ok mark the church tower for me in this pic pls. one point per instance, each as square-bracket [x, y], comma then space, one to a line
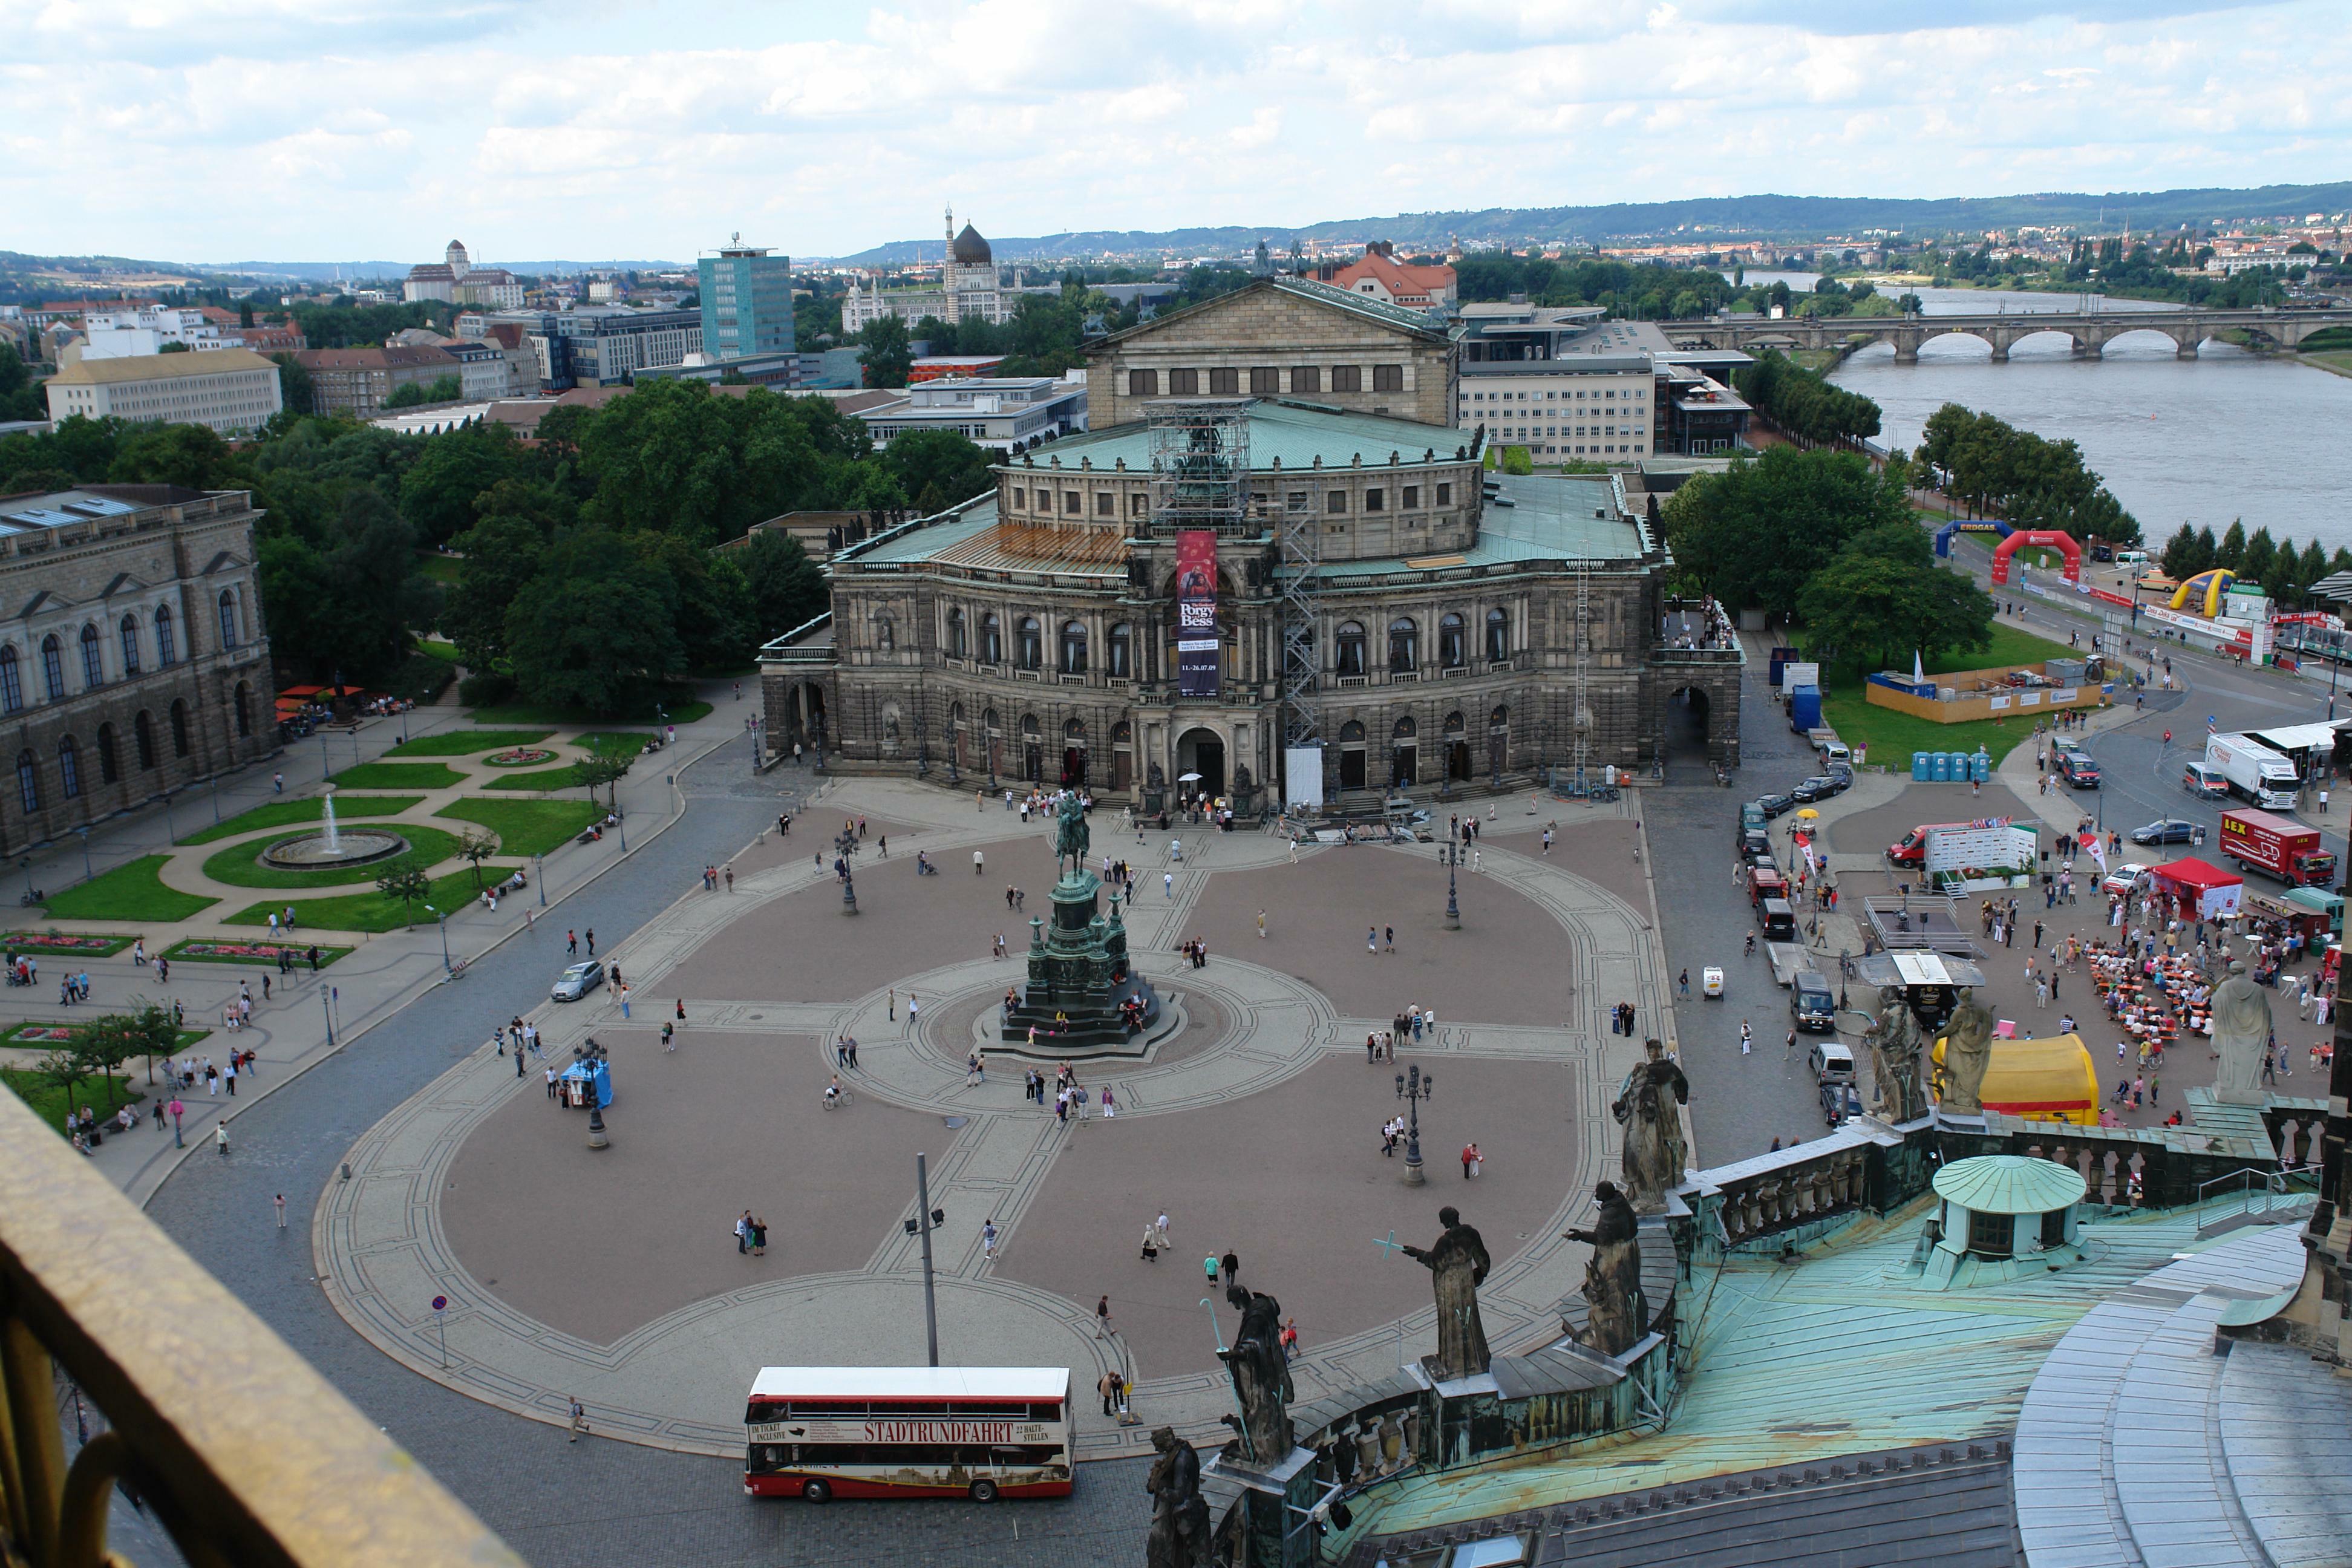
[948, 268]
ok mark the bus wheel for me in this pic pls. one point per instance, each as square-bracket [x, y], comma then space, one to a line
[983, 1491]
[816, 1491]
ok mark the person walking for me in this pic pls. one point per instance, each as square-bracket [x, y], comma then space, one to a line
[280, 1202]
[571, 943]
[744, 1233]
[988, 1240]
[1103, 1329]
[578, 1417]
[1372, 941]
[592, 942]
[1161, 1227]
[1747, 1038]
[1150, 1244]
[1261, 925]
[220, 1136]
[759, 1239]
[1209, 1266]
[1168, 883]
[1108, 1386]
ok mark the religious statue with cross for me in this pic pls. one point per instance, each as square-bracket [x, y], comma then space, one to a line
[1458, 1265]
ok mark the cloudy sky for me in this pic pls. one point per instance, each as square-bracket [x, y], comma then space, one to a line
[326, 130]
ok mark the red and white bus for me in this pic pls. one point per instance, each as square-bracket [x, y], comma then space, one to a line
[982, 1432]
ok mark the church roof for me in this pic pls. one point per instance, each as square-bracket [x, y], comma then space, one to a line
[971, 249]
[2009, 1184]
[1419, 322]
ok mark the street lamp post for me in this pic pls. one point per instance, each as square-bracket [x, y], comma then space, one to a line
[1412, 1087]
[444, 918]
[539, 875]
[927, 1219]
[87, 873]
[1452, 855]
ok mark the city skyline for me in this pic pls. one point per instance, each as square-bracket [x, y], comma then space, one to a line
[532, 131]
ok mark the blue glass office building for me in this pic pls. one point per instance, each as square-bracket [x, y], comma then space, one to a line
[747, 302]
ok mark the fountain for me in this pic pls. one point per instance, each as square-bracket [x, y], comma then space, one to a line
[334, 848]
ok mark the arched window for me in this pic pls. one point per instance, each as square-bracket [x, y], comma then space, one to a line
[243, 710]
[1499, 635]
[129, 646]
[1499, 719]
[69, 768]
[989, 721]
[955, 635]
[29, 782]
[1351, 733]
[1074, 647]
[53, 666]
[142, 735]
[1406, 728]
[1033, 644]
[167, 651]
[228, 618]
[93, 667]
[1122, 652]
[1029, 729]
[109, 771]
[1073, 730]
[1351, 647]
[179, 729]
[1451, 650]
[1405, 645]
[1454, 724]
[992, 639]
[1122, 734]
[11, 681]
[885, 636]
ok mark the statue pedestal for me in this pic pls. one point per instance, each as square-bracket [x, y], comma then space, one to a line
[1079, 975]
[1275, 1503]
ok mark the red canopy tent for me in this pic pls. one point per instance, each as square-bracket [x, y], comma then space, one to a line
[2204, 888]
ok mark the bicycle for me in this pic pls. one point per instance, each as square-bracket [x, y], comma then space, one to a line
[840, 1099]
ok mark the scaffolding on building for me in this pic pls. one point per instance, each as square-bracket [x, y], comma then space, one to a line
[1199, 463]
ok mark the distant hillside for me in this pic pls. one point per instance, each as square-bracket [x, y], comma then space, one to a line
[13, 261]
[1729, 218]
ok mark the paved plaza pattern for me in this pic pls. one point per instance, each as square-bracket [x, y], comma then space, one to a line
[612, 1274]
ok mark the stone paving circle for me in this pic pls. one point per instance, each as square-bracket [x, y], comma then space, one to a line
[612, 1273]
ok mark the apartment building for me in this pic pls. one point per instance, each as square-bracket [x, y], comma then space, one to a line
[234, 391]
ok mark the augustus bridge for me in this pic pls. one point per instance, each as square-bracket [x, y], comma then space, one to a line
[2091, 330]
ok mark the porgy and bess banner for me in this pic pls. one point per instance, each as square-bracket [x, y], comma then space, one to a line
[1196, 613]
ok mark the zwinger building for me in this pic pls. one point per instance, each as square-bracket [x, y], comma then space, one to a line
[1113, 612]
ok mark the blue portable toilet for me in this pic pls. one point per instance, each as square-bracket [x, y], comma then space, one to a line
[1941, 767]
[1980, 765]
[1922, 770]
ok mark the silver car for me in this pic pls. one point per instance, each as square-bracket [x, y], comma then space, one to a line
[578, 981]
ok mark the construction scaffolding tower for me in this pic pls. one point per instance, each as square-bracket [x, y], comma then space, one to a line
[1299, 581]
[1199, 463]
[1581, 721]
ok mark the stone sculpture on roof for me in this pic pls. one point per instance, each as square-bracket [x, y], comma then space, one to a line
[1261, 1374]
[1968, 1052]
[1893, 1041]
[1619, 1313]
[2241, 1033]
[1656, 1152]
[1458, 1264]
[1180, 1515]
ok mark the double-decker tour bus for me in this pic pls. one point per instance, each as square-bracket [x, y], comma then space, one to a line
[982, 1432]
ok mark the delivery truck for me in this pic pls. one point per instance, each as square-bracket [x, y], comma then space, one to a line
[2287, 849]
[1805, 708]
[2255, 772]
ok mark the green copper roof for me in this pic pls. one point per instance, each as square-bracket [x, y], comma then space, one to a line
[1296, 434]
[2009, 1183]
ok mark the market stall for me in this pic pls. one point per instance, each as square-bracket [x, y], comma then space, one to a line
[2200, 890]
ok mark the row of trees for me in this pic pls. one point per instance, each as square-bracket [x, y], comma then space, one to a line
[589, 574]
[1803, 403]
[100, 1049]
[1823, 537]
[1647, 289]
[2285, 572]
[2003, 471]
[1046, 336]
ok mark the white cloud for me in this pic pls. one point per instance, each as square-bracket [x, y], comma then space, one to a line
[322, 129]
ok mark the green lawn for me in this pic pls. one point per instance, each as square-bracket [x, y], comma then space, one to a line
[526, 827]
[45, 943]
[49, 1101]
[613, 742]
[239, 867]
[398, 776]
[439, 567]
[543, 781]
[1893, 736]
[190, 950]
[371, 911]
[280, 812]
[129, 892]
[466, 743]
[440, 652]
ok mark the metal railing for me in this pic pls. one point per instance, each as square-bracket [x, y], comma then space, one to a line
[2249, 1191]
[244, 1454]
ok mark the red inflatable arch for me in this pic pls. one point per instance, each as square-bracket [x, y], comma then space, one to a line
[2043, 537]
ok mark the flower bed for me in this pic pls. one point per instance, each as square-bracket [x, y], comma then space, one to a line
[39, 1035]
[66, 942]
[207, 951]
[519, 757]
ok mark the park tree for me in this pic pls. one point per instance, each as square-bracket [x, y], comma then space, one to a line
[156, 1032]
[406, 885]
[104, 1044]
[456, 468]
[19, 399]
[348, 596]
[192, 456]
[501, 556]
[787, 589]
[1883, 597]
[889, 352]
[604, 771]
[66, 1068]
[1756, 533]
[2261, 554]
[295, 389]
[2185, 554]
[474, 847]
[2234, 546]
[593, 630]
[938, 460]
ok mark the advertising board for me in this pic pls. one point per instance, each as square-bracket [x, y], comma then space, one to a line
[1196, 613]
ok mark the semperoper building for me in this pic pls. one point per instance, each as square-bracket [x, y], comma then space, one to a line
[1463, 626]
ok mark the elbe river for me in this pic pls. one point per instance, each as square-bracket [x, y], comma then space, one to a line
[2226, 436]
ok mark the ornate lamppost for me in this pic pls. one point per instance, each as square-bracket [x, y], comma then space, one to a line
[1450, 853]
[1413, 1087]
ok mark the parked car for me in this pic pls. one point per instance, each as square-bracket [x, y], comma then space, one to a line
[2205, 783]
[1819, 787]
[1775, 804]
[578, 981]
[2171, 830]
[2124, 877]
[1755, 842]
[1830, 1061]
[1751, 817]
[1840, 1100]
[1710, 982]
[2078, 769]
